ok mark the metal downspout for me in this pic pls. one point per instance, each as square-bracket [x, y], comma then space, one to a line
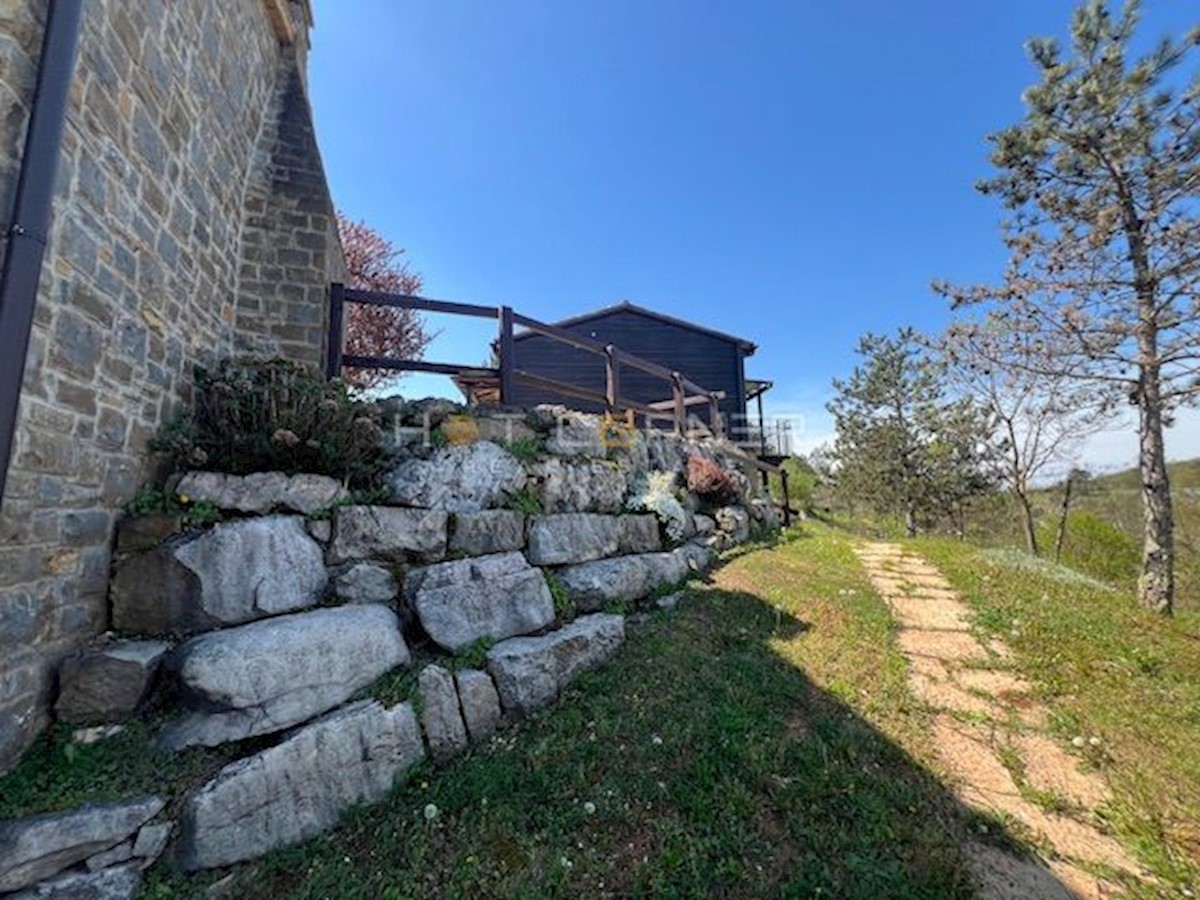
[30, 219]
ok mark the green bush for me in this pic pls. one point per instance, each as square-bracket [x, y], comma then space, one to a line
[1095, 547]
[275, 416]
[803, 482]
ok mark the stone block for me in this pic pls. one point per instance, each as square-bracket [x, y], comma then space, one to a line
[299, 789]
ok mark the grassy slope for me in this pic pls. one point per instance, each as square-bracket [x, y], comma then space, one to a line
[726, 753]
[1108, 670]
[1109, 548]
[759, 741]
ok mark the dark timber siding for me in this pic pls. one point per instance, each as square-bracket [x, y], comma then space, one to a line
[711, 361]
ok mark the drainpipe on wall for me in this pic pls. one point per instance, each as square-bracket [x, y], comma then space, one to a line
[30, 220]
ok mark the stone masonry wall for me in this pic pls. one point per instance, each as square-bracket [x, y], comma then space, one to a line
[188, 165]
[349, 641]
[286, 271]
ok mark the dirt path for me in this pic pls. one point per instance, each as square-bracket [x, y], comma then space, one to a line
[992, 741]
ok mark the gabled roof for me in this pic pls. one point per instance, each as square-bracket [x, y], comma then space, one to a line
[625, 306]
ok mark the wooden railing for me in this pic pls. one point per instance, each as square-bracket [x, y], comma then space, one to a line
[683, 393]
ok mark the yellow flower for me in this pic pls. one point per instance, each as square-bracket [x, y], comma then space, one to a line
[184, 498]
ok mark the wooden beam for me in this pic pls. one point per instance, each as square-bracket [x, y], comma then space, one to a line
[560, 387]
[405, 301]
[508, 356]
[414, 365]
[560, 335]
[693, 400]
[333, 350]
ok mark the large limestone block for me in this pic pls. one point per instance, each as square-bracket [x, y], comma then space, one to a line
[36, 848]
[385, 532]
[488, 531]
[459, 479]
[366, 582]
[666, 568]
[115, 883]
[565, 538]
[234, 572]
[530, 672]
[262, 492]
[592, 585]
[639, 533]
[107, 682]
[301, 787]
[479, 702]
[271, 675]
[590, 485]
[573, 434]
[494, 597]
[440, 714]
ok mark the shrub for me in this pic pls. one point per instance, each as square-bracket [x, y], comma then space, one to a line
[802, 483]
[274, 415]
[1097, 548]
[655, 492]
[710, 482]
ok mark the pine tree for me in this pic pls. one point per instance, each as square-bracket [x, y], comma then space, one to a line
[1101, 179]
[903, 447]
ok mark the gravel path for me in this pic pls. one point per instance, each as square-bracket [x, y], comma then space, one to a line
[991, 741]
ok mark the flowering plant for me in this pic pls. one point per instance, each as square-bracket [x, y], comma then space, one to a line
[655, 492]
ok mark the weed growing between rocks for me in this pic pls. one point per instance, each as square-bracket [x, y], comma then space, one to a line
[154, 501]
[525, 501]
[564, 606]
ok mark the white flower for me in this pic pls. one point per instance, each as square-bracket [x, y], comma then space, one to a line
[656, 740]
[589, 808]
[1094, 741]
[655, 492]
[431, 812]
[1078, 741]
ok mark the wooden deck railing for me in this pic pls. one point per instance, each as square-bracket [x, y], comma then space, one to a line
[682, 392]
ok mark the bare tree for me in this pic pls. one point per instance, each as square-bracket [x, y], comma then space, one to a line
[1039, 423]
[1103, 285]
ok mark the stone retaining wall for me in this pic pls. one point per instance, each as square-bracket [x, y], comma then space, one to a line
[191, 218]
[275, 623]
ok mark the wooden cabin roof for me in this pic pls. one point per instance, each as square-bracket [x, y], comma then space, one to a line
[748, 347]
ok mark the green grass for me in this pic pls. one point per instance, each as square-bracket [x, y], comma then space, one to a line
[525, 501]
[758, 741]
[524, 449]
[1103, 537]
[59, 774]
[1105, 669]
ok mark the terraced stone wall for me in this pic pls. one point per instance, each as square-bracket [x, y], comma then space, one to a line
[498, 566]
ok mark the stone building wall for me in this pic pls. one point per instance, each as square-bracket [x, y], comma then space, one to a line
[191, 220]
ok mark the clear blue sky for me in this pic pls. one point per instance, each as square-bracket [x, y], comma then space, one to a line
[793, 172]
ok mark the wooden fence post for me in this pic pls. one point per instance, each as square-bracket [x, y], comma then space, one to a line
[714, 416]
[333, 349]
[612, 379]
[508, 362]
[787, 501]
[680, 405]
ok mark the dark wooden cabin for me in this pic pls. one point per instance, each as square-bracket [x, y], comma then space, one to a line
[711, 359]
